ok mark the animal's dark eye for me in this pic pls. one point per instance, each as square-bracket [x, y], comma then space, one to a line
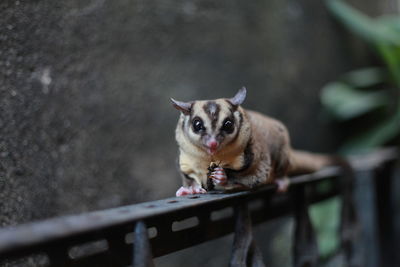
[197, 125]
[228, 126]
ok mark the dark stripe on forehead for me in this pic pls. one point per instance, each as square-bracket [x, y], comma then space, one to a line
[212, 110]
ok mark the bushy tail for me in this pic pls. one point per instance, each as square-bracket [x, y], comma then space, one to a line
[302, 162]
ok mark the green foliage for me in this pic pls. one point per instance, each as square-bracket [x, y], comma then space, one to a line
[325, 218]
[369, 91]
[345, 102]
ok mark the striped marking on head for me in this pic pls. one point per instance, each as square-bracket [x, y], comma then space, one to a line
[212, 109]
[214, 113]
[219, 120]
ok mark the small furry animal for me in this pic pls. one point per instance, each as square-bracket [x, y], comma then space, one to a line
[247, 148]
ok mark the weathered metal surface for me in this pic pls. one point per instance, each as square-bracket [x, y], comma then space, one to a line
[385, 219]
[56, 237]
[305, 249]
[245, 252]
[349, 226]
[141, 248]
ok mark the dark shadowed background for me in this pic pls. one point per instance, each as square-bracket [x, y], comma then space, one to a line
[85, 117]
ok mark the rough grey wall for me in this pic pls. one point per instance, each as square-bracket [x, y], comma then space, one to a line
[85, 118]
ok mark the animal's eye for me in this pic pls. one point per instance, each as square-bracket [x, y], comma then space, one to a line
[228, 126]
[197, 125]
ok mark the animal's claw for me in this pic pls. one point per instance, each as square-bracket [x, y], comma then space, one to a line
[218, 176]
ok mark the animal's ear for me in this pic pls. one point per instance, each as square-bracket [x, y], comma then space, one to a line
[239, 98]
[184, 107]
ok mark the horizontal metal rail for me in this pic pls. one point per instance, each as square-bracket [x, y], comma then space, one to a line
[207, 217]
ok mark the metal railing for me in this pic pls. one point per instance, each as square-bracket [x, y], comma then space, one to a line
[133, 235]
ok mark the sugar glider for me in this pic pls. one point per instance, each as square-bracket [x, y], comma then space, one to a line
[248, 148]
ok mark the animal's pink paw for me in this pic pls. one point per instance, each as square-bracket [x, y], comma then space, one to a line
[183, 191]
[191, 190]
[283, 184]
[218, 176]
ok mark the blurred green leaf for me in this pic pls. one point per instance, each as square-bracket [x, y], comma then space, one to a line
[365, 27]
[390, 21]
[391, 56]
[365, 77]
[377, 136]
[382, 32]
[345, 102]
[325, 218]
[343, 99]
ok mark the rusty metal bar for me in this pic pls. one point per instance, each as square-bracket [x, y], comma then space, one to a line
[349, 226]
[305, 249]
[385, 220]
[245, 252]
[141, 249]
[56, 237]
